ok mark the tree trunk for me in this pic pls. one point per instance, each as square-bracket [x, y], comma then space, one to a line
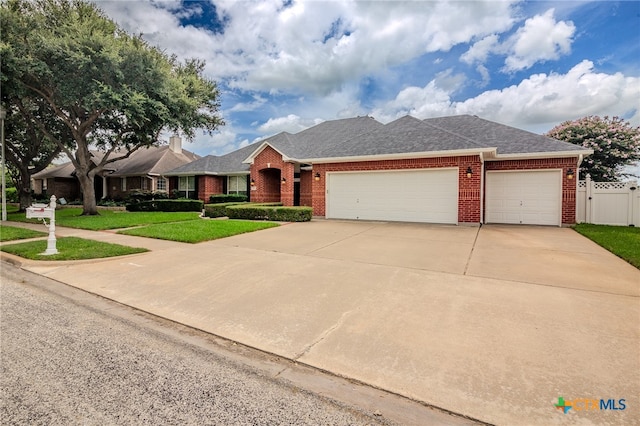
[25, 198]
[23, 186]
[89, 206]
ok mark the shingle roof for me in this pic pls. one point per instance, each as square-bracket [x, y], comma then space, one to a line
[145, 161]
[402, 136]
[60, 171]
[212, 164]
[507, 139]
[152, 161]
[366, 137]
[323, 139]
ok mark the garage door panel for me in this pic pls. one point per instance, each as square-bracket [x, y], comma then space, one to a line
[523, 197]
[416, 196]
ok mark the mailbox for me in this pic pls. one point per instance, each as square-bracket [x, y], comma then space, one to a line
[44, 211]
[40, 211]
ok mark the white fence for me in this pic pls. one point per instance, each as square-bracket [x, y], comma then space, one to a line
[608, 203]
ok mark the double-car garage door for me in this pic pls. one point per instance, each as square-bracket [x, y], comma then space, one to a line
[532, 197]
[400, 195]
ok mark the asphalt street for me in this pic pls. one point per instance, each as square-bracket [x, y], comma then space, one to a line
[65, 361]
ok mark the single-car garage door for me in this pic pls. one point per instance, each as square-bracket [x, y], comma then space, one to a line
[398, 195]
[526, 197]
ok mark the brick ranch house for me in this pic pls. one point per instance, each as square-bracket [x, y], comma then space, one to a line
[457, 170]
[142, 171]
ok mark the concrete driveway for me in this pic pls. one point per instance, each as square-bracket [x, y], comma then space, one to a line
[494, 323]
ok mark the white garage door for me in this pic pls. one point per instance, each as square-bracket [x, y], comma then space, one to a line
[527, 197]
[407, 195]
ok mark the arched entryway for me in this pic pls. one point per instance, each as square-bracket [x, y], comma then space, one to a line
[270, 181]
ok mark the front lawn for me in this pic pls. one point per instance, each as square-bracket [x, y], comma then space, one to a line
[196, 231]
[109, 219]
[623, 241]
[70, 248]
[10, 233]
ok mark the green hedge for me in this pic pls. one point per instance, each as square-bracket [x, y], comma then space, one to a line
[227, 198]
[166, 206]
[265, 212]
[217, 210]
[220, 210]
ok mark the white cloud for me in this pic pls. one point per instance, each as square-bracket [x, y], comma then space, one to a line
[536, 103]
[484, 73]
[480, 50]
[313, 47]
[290, 123]
[540, 39]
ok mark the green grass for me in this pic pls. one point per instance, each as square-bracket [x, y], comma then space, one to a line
[109, 219]
[70, 248]
[10, 233]
[196, 231]
[623, 241]
[11, 208]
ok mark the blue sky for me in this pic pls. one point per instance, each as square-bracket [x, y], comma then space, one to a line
[287, 65]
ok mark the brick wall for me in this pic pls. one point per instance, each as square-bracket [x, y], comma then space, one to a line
[468, 188]
[68, 189]
[209, 185]
[568, 185]
[267, 170]
[306, 185]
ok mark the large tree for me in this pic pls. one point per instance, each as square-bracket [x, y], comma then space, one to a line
[615, 143]
[114, 92]
[27, 148]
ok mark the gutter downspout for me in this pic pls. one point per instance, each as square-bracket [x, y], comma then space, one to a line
[481, 188]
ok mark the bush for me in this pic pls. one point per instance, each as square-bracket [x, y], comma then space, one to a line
[266, 212]
[139, 196]
[166, 206]
[217, 210]
[227, 198]
[111, 203]
[12, 195]
[220, 210]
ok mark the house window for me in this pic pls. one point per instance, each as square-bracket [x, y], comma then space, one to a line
[123, 184]
[237, 185]
[44, 184]
[186, 186]
[144, 183]
[161, 184]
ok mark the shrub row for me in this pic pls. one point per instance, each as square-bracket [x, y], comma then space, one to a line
[227, 198]
[220, 210]
[217, 210]
[166, 206]
[275, 213]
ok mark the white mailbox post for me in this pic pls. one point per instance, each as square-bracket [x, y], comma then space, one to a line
[42, 211]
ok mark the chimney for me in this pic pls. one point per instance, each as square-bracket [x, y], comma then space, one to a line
[175, 144]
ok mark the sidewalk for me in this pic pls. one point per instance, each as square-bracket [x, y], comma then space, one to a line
[492, 349]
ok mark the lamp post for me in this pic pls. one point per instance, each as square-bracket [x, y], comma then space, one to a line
[3, 115]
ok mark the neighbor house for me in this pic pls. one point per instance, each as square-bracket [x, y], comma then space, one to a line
[459, 169]
[142, 171]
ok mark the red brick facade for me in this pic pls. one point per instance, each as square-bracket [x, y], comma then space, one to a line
[268, 171]
[208, 186]
[269, 168]
[568, 185]
[306, 188]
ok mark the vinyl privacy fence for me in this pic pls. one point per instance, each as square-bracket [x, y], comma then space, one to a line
[608, 203]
